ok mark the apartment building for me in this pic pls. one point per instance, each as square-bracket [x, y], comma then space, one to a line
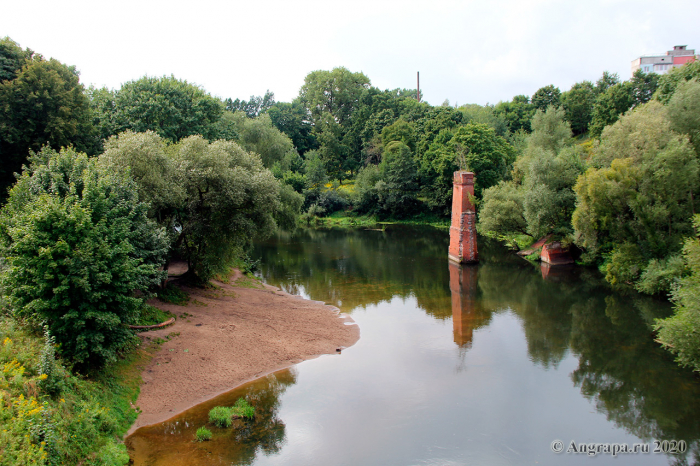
[661, 64]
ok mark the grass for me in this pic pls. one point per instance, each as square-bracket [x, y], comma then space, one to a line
[173, 295]
[222, 416]
[151, 315]
[347, 219]
[76, 419]
[203, 434]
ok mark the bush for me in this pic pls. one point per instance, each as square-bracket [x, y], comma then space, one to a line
[242, 409]
[203, 434]
[680, 333]
[221, 416]
[78, 243]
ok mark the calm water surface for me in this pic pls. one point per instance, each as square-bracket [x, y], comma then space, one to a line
[481, 365]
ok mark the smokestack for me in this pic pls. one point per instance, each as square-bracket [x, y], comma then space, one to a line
[418, 86]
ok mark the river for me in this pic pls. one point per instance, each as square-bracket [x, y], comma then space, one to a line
[489, 364]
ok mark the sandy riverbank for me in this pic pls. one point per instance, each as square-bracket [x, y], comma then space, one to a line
[230, 335]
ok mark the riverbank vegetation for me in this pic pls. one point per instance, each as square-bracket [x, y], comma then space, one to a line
[112, 185]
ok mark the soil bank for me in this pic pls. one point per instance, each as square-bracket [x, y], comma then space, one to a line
[229, 335]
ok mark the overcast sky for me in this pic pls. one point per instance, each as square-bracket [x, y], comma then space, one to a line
[466, 51]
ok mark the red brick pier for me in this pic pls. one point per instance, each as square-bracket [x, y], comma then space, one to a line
[463, 230]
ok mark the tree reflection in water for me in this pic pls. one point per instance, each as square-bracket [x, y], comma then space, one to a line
[565, 311]
[171, 443]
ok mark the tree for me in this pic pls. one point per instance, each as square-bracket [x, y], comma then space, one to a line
[79, 245]
[172, 108]
[540, 199]
[684, 111]
[636, 203]
[12, 59]
[398, 186]
[259, 135]
[401, 131]
[643, 85]
[44, 104]
[336, 92]
[679, 333]
[606, 81]
[516, 113]
[487, 155]
[578, 104]
[546, 96]
[608, 107]
[254, 107]
[292, 120]
[670, 81]
[229, 199]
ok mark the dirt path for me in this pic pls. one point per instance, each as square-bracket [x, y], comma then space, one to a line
[228, 336]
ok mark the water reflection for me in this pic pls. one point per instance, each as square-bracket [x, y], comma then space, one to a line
[550, 347]
[172, 442]
[467, 311]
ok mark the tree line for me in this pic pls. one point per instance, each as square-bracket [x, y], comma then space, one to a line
[609, 167]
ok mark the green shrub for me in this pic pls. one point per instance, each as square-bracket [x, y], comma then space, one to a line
[78, 243]
[221, 416]
[203, 434]
[242, 409]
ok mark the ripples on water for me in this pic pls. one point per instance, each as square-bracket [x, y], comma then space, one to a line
[485, 364]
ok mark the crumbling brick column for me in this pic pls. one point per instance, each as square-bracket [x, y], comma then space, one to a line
[463, 229]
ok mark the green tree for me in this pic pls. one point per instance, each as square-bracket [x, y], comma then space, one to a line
[578, 104]
[292, 120]
[172, 108]
[79, 244]
[606, 81]
[44, 104]
[684, 111]
[636, 203]
[679, 333]
[259, 135]
[401, 131]
[608, 107]
[398, 186]
[489, 156]
[670, 81]
[336, 92]
[516, 113]
[254, 107]
[546, 96]
[12, 59]
[540, 199]
[642, 87]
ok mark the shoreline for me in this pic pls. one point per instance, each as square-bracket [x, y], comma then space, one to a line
[230, 335]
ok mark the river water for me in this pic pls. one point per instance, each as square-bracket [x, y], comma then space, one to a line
[475, 365]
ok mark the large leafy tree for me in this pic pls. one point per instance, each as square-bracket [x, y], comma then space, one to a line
[546, 96]
[172, 108]
[44, 104]
[292, 119]
[669, 82]
[516, 113]
[578, 104]
[213, 198]
[679, 333]
[12, 58]
[635, 205]
[540, 199]
[609, 105]
[79, 245]
[331, 98]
